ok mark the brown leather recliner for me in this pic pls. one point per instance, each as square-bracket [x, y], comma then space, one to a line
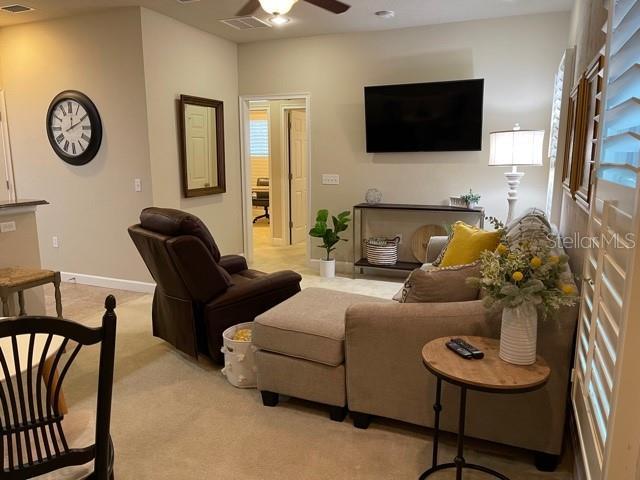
[200, 293]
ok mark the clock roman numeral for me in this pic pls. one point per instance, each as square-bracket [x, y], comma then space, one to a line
[77, 109]
[86, 127]
[56, 129]
[70, 107]
[85, 138]
[57, 118]
[80, 144]
[64, 114]
[73, 148]
[66, 145]
[59, 138]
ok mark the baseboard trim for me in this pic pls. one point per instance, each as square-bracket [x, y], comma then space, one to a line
[107, 282]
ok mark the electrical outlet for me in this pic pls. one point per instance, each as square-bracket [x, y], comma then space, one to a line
[55, 242]
[7, 227]
[330, 179]
[137, 185]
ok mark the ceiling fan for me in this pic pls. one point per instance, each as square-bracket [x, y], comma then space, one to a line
[281, 7]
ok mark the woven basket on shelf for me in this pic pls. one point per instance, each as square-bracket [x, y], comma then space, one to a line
[382, 251]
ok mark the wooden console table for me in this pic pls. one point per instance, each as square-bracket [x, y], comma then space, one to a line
[359, 257]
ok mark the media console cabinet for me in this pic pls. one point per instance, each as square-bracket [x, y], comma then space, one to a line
[414, 217]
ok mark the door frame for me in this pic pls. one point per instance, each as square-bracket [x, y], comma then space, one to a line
[7, 159]
[245, 162]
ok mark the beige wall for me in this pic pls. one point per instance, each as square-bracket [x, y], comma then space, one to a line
[91, 206]
[517, 57]
[179, 59]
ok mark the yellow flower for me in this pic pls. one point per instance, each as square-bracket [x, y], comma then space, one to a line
[567, 288]
[501, 249]
[553, 259]
[535, 262]
[517, 276]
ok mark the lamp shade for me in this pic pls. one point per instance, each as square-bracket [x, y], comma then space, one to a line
[516, 147]
[277, 7]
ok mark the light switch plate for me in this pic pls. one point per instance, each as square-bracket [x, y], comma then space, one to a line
[330, 179]
[54, 242]
[6, 227]
[137, 185]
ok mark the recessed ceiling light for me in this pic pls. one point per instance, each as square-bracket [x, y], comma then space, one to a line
[279, 20]
[386, 13]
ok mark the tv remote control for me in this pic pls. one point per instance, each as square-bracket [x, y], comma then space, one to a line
[463, 352]
[477, 354]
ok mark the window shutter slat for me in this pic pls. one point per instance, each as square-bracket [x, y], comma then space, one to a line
[259, 138]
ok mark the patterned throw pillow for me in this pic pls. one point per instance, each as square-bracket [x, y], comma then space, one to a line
[441, 285]
[532, 226]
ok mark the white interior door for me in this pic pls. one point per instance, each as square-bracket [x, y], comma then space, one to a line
[201, 146]
[298, 164]
[5, 186]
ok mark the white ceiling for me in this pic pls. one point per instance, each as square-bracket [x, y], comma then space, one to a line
[306, 19]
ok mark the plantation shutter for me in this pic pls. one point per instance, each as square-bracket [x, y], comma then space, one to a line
[259, 137]
[610, 253]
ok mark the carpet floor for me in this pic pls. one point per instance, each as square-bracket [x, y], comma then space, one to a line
[177, 418]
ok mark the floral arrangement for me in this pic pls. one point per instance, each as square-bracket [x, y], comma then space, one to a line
[529, 272]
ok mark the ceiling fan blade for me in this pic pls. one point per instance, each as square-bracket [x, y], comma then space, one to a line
[332, 5]
[249, 8]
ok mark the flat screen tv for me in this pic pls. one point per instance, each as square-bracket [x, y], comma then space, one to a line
[424, 117]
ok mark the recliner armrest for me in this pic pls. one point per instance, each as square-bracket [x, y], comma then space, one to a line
[259, 286]
[233, 263]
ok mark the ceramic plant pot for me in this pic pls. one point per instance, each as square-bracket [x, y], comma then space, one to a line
[519, 334]
[328, 268]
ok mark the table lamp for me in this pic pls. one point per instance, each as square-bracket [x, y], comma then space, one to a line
[512, 148]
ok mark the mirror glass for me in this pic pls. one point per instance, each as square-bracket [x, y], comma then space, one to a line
[203, 146]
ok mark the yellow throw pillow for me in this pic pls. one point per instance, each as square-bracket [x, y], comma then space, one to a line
[467, 243]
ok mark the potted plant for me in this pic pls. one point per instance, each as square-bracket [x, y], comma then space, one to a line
[523, 279]
[471, 199]
[330, 237]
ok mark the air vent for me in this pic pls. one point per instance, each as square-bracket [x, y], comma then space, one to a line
[16, 8]
[245, 23]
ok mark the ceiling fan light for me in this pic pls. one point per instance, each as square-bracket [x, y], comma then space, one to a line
[277, 7]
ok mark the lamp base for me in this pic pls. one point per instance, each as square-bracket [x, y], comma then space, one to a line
[513, 180]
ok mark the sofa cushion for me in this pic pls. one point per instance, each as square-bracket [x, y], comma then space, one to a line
[447, 284]
[309, 325]
[467, 243]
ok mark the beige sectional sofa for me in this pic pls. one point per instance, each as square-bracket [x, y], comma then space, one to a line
[368, 360]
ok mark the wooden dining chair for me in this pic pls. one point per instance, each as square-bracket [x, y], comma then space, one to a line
[32, 437]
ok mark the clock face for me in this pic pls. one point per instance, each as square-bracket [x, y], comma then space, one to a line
[71, 126]
[74, 128]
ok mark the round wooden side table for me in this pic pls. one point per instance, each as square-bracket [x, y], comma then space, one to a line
[490, 374]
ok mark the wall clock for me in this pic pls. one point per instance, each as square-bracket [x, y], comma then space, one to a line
[74, 127]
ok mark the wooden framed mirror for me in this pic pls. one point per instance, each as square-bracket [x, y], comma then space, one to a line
[201, 128]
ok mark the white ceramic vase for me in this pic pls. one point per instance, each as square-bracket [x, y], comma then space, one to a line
[519, 334]
[328, 268]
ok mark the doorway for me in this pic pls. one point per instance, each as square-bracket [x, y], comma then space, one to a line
[276, 180]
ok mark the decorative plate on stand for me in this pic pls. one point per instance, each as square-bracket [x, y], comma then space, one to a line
[421, 238]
